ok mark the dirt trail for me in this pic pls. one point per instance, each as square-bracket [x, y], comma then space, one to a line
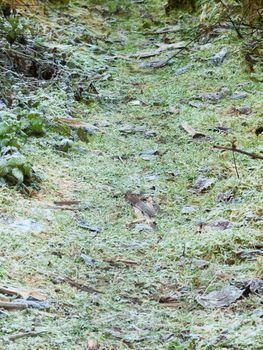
[124, 270]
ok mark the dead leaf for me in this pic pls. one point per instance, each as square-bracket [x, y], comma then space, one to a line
[89, 227]
[78, 123]
[161, 48]
[88, 260]
[149, 154]
[66, 203]
[192, 132]
[182, 70]
[218, 58]
[92, 345]
[224, 196]
[129, 130]
[84, 288]
[222, 224]
[250, 254]
[13, 337]
[222, 298]
[254, 286]
[221, 129]
[201, 264]
[4, 298]
[238, 96]
[156, 64]
[243, 110]
[24, 293]
[12, 306]
[143, 204]
[202, 184]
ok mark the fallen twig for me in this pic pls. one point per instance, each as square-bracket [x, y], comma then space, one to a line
[13, 306]
[23, 335]
[234, 149]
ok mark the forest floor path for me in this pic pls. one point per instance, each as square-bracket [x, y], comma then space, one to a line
[158, 218]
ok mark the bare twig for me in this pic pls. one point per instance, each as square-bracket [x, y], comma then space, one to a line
[234, 149]
[23, 335]
[232, 22]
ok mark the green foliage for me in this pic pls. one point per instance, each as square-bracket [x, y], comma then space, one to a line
[14, 167]
[15, 29]
[14, 131]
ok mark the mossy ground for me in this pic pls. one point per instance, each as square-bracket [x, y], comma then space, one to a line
[127, 313]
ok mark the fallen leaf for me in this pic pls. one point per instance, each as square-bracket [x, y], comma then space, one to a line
[182, 70]
[224, 196]
[88, 260]
[89, 227]
[222, 224]
[202, 184]
[92, 345]
[222, 298]
[4, 298]
[129, 130]
[218, 58]
[84, 288]
[24, 293]
[254, 286]
[192, 132]
[156, 64]
[142, 203]
[201, 264]
[78, 123]
[243, 110]
[14, 337]
[66, 203]
[161, 48]
[250, 254]
[149, 154]
[12, 306]
[238, 96]
[221, 129]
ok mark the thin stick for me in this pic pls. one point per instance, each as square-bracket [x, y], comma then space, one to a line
[23, 335]
[233, 149]
[232, 22]
[235, 164]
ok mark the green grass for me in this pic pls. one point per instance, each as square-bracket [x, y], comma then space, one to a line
[127, 314]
